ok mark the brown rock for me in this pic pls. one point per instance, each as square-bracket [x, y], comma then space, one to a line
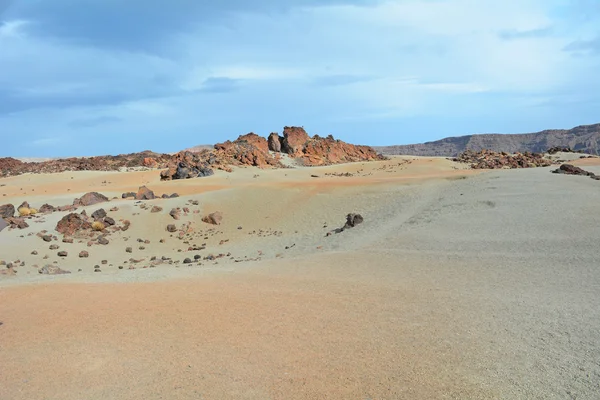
[63, 254]
[47, 208]
[98, 214]
[275, 142]
[214, 218]
[72, 223]
[24, 205]
[54, 247]
[145, 194]
[174, 213]
[103, 241]
[89, 199]
[7, 211]
[171, 228]
[569, 169]
[156, 209]
[294, 139]
[84, 254]
[47, 238]
[67, 240]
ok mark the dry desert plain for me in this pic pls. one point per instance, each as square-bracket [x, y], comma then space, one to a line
[459, 284]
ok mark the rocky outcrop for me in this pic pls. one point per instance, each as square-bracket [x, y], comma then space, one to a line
[10, 166]
[72, 223]
[249, 149]
[585, 139]
[274, 142]
[569, 169]
[186, 165]
[486, 159]
[294, 139]
[327, 151]
[89, 199]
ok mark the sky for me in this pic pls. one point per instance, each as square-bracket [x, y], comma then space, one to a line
[91, 77]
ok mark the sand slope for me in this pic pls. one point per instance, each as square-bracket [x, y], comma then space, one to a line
[457, 285]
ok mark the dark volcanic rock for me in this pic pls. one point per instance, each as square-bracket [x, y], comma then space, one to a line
[109, 221]
[352, 220]
[52, 270]
[63, 254]
[99, 214]
[569, 169]
[486, 159]
[47, 208]
[171, 228]
[89, 199]
[72, 223]
[7, 211]
[3, 224]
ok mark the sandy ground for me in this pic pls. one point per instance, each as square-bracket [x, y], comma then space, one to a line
[458, 285]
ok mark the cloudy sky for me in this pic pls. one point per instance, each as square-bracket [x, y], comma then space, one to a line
[86, 77]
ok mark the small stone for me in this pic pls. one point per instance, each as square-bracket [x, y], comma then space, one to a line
[34, 253]
[129, 250]
[171, 228]
[109, 221]
[104, 262]
[62, 254]
[187, 261]
[47, 238]
[103, 241]
[54, 247]
[84, 254]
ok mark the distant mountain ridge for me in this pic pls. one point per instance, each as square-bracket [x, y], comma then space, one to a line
[584, 138]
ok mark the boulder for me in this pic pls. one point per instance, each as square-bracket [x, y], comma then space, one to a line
[99, 214]
[3, 224]
[352, 220]
[7, 211]
[72, 223]
[275, 142]
[569, 169]
[294, 139]
[108, 221]
[89, 199]
[24, 205]
[17, 222]
[214, 218]
[128, 195]
[52, 270]
[144, 194]
[47, 208]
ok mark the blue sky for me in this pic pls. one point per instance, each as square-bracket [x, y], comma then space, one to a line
[87, 77]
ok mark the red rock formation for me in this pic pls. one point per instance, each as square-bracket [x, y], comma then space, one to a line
[327, 151]
[249, 149]
[294, 139]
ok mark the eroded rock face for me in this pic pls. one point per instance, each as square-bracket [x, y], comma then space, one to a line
[294, 139]
[3, 224]
[249, 149]
[89, 199]
[7, 211]
[274, 142]
[327, 151]
[72, 223]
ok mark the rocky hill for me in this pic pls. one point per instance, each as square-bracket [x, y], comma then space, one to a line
[249, 149]
[585, 139]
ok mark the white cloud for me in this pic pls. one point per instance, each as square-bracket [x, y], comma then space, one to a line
[12, 29]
